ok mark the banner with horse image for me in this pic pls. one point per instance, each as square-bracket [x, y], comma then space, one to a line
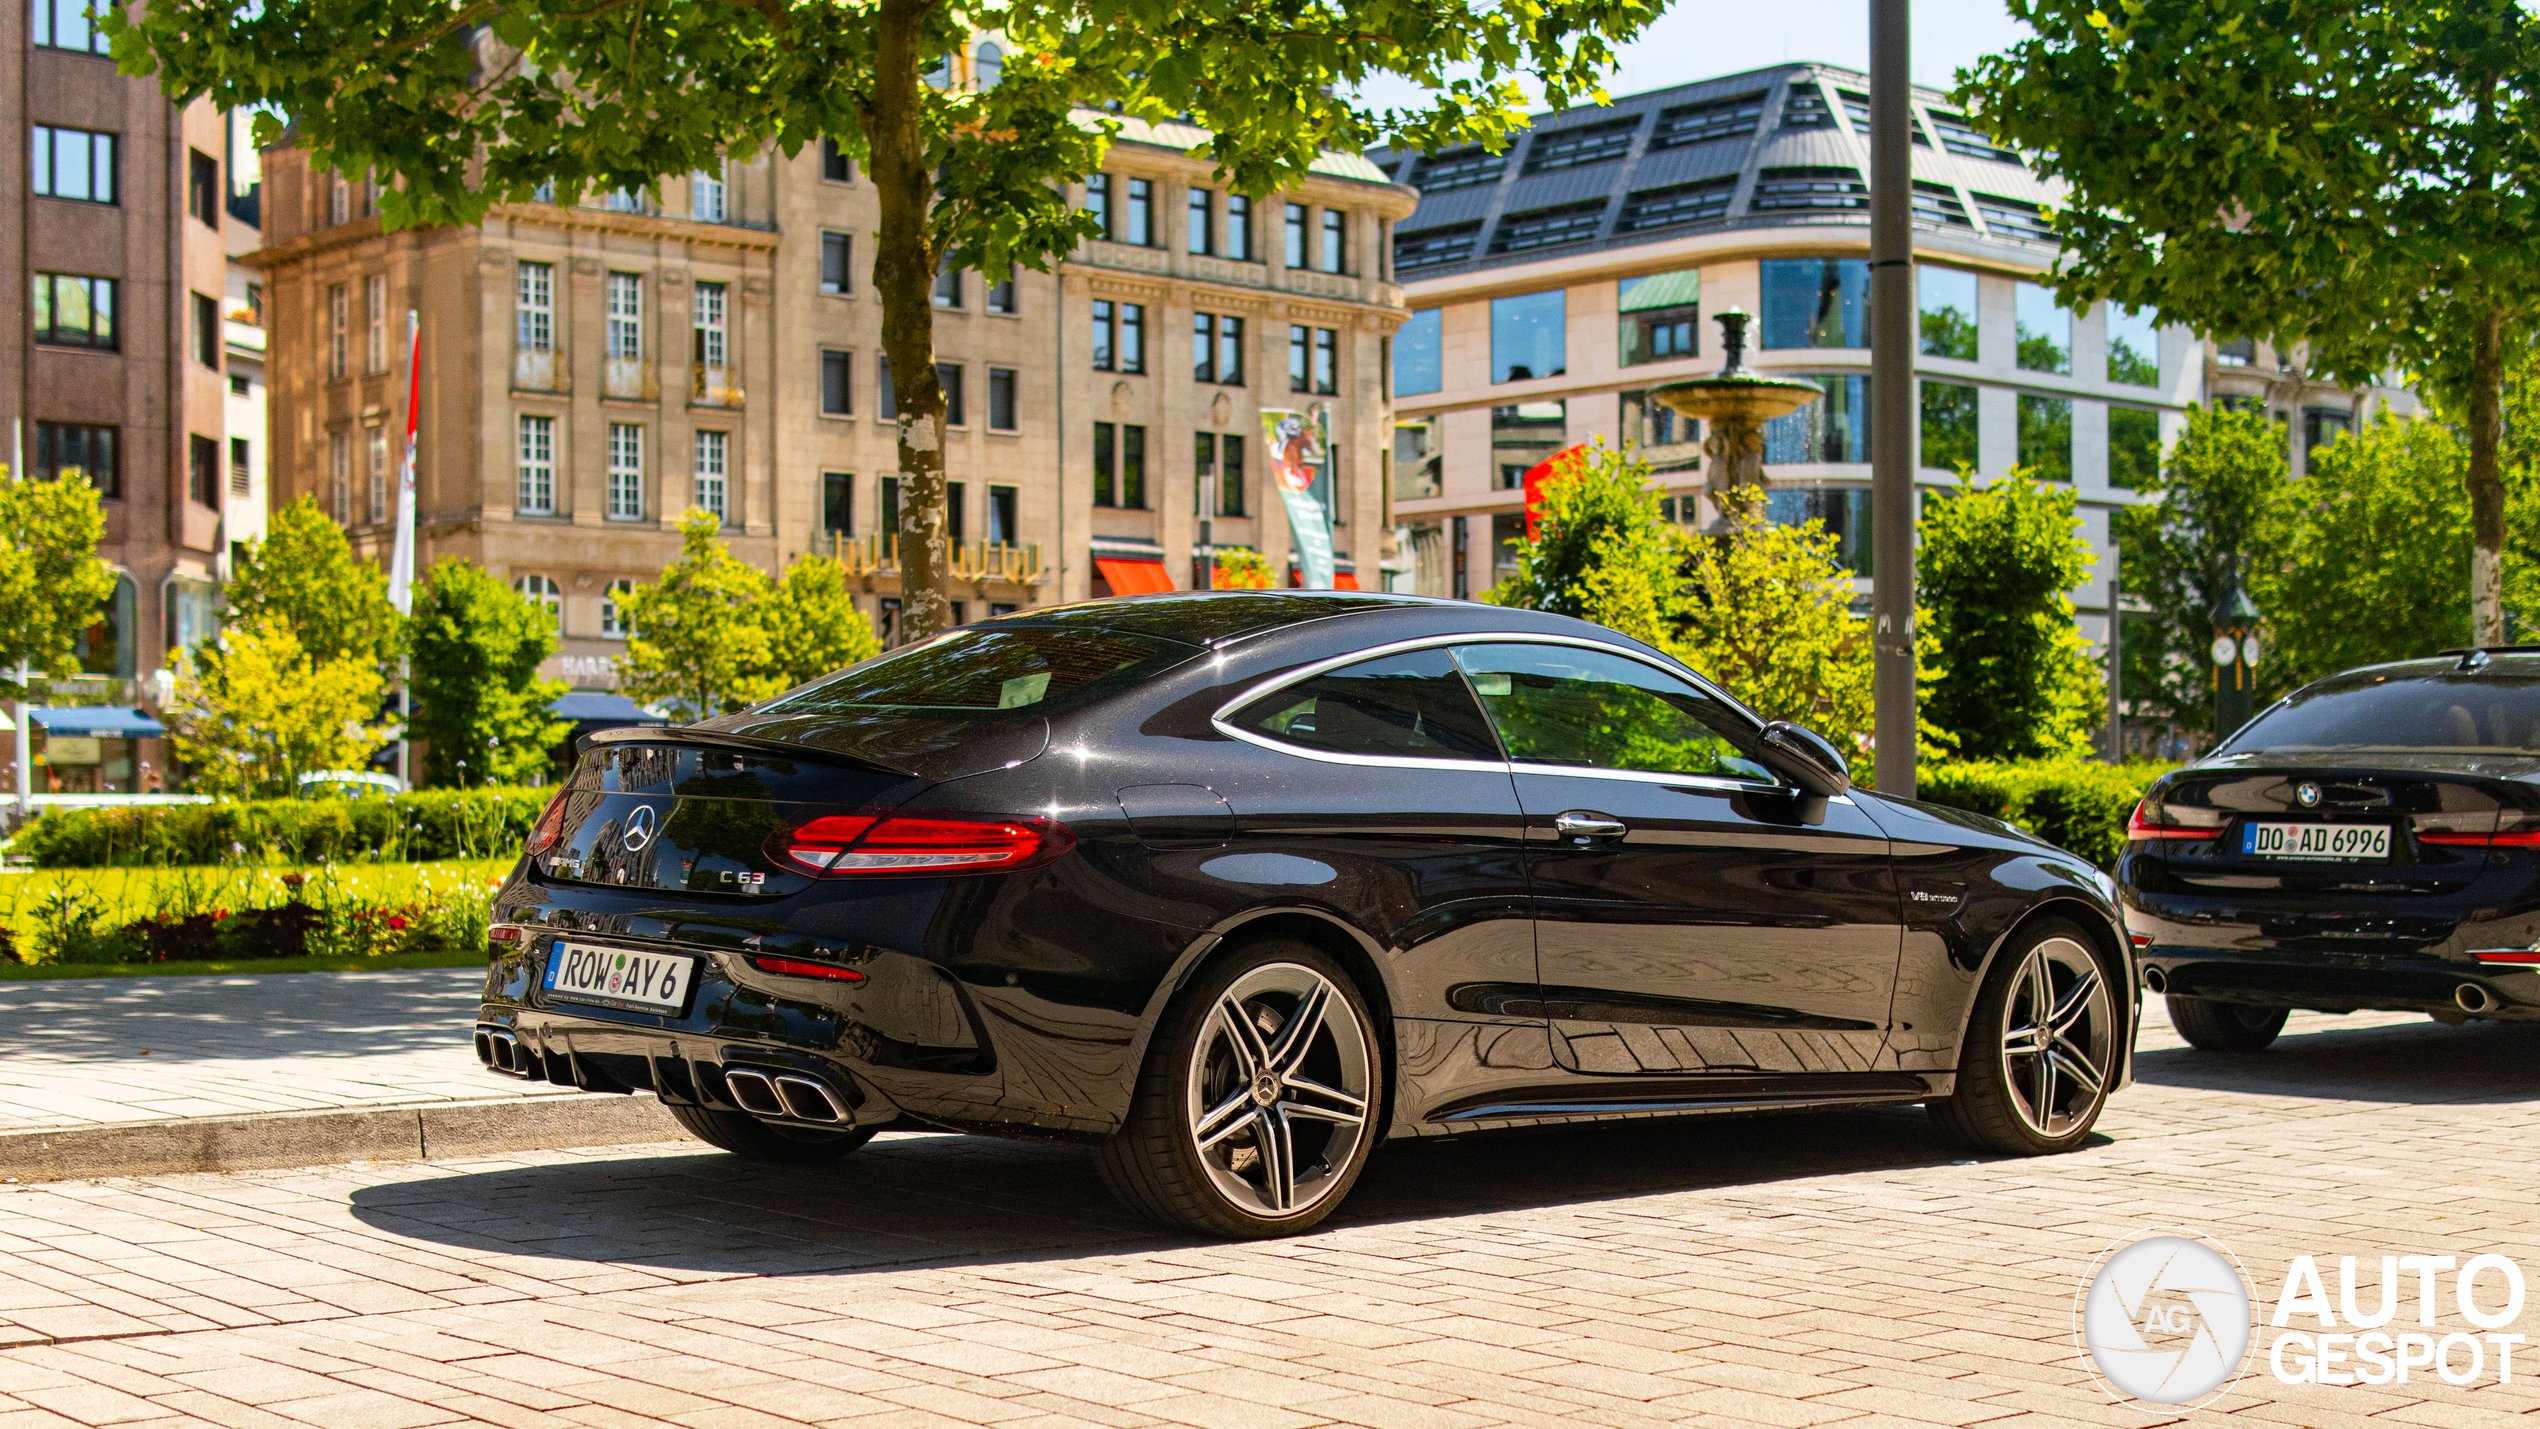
[1299, 449]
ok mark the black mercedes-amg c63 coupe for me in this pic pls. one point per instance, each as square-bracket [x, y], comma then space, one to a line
[1232, 886]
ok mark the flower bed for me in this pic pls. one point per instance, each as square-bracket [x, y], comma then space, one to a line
[187, 915]
[433, 824]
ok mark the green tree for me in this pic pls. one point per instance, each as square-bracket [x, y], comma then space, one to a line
[1997, 566]
[51, 581]
[250, 722]
[1772, 621]
[1601, 552]
[459, 104]
[480, 703]
[2182, 554]
[303, 575]
[714, 633]
[812, 624]
[2356, 176]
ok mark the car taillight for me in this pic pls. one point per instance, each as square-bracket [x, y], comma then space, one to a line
[792, 967]
[2511, 828]
[851, 845]
[549, 828]
[2159, 821]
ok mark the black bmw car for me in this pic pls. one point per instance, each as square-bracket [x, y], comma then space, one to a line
[2371, 841]
[1233, 886]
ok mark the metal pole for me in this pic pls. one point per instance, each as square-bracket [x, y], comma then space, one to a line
[25, 742]
[2116, 676]
[1892, 348]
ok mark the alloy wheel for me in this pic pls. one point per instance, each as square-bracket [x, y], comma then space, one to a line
[1280, 1090]
[2058, 1037]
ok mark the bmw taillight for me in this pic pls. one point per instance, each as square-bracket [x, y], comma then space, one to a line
[2160, 821]
[549, 828]
[856, 845]
[2509, 828]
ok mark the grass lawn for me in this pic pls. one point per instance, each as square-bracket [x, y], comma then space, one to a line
[132, 893]
[12, 972]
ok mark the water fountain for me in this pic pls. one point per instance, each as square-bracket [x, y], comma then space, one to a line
[1735, 405]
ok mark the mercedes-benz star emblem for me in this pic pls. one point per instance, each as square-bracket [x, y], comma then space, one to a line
[639, 828]
[2308, 796]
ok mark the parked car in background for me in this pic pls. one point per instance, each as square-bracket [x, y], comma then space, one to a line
[2371, 841]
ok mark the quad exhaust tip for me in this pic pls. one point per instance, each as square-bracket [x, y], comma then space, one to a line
[809, 1100]
[2473, 998]
[502, 1052]
[2155, 980]
[783, 1094]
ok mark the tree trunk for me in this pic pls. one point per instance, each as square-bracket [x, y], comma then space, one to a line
[2486, 484]
[904, 276]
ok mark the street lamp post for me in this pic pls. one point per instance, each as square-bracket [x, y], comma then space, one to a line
[1892, 347]
[2235, 662]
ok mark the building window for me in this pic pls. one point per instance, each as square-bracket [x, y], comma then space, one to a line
[64, 25]
[207, 330]
[537, 307]
[1948, 301]
[2238, 352]
[339, 329]
[1816, 302]
[990, 65]
[1661, 316]
[626, 317]
[1004, 505]
[202, 188]
[2046, 436]
[1960, 137]
[891, 505]
[948, 287]
[1548, 227]
[74, 164]
[890, 408]
[537, 466]
[1580, 146]
[1296, 236]
[1689, 124]
[948, 378]
[1522, 436]
[705, 197]
[339, 475]
[1335, 241]
[75, 312]
[2013, 218]
[1949, 426]
[710, 332]
[256, 303]
[1843, 512]
[375, 312]
[837, 383]
[378, 475]
[1106, 464]
[1230, 475]
[1805, 108]
[956, 515]
[2045, 329]
[1327, 362]
[1674, 204]
[1652, 424]
[1458, 169]
[1817, 189]
[1217, 348]
[543, 591]
[1120, 465]
[1239, 227]
[1939, 205]
[837, 503]
[2320, 426]
[1527, 338]
[613, 609]
[837, 263]
[240, 465]
[1119, 336]
[1001, 413]
[626, 471]
[711, 494]
[1419, 354]
[1137, 214]
[1098, 202]
[1834, 428]
[1429, 247]
[1001, 296]
[2134, 448]
[339, 200]
[65, 449]
[835, 166]
[2134, 347]
[1300, 355]
[1199, 233]
[202, 471]
[1104, 319]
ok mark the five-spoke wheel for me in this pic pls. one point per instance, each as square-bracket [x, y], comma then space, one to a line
[2042, 1048]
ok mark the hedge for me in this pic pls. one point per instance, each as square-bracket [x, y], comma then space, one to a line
[432, 824]
[2072, 803]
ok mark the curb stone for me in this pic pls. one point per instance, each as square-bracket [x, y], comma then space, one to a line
[281, 1140]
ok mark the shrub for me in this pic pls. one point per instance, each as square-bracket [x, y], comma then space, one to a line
[2072, 803]
[432, 824]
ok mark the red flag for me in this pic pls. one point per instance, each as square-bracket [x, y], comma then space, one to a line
[1536, 476]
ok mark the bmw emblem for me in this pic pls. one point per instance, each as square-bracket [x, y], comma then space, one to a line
[640, 824]
[2308, 796]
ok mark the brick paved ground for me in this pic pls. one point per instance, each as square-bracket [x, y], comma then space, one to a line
[116, 1050]
[1793, 1271]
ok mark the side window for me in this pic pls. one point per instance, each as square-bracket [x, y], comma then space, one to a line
[1408, 706]
[1559, 704]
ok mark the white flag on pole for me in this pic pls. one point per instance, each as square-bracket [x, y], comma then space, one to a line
[401, 565]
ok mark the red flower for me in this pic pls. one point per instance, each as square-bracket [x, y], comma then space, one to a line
[396, 923]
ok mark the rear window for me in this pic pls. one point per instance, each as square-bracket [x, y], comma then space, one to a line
[1021, 670]
[2464, 712]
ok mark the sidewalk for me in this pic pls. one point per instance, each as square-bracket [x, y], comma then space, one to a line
[125, 1076]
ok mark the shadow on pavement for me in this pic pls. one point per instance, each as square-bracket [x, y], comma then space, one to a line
[929, 1197]
[2411, 1062]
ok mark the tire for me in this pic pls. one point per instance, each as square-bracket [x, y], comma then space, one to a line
[1237, 1128]
[746, 1136]
[2225, 1026]
[2026, 1090]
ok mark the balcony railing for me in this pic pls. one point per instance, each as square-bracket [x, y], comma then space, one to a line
[536, 370]
[970, 560]
[712, 386]
[630, 379]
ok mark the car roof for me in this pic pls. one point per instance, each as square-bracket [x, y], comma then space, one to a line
[1214, 617]
[2515, 662]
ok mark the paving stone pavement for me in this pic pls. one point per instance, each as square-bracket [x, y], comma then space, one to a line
[1801, 1270]
[106, 1051]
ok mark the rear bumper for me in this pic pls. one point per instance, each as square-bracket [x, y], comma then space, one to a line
[2361, 983]
[773, 1083]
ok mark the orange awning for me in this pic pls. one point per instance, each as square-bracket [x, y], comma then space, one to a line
[1343, 580]
[1134, 577]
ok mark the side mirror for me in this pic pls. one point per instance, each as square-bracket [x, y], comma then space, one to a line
[1806, 758]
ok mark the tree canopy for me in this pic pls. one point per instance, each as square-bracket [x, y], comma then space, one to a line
[51, 581]
[1998, 564]
[303, 576]
[481, 706]
[250, 721]
[714, 633]
[2182, 554]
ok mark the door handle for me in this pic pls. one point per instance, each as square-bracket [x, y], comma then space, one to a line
[1585, 827]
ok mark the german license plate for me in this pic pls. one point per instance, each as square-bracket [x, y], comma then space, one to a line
[619, 977]
[2352, 843]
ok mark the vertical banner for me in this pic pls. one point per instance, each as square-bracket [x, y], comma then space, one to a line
[1541, 472]
[1297, 453]
[401, 565]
